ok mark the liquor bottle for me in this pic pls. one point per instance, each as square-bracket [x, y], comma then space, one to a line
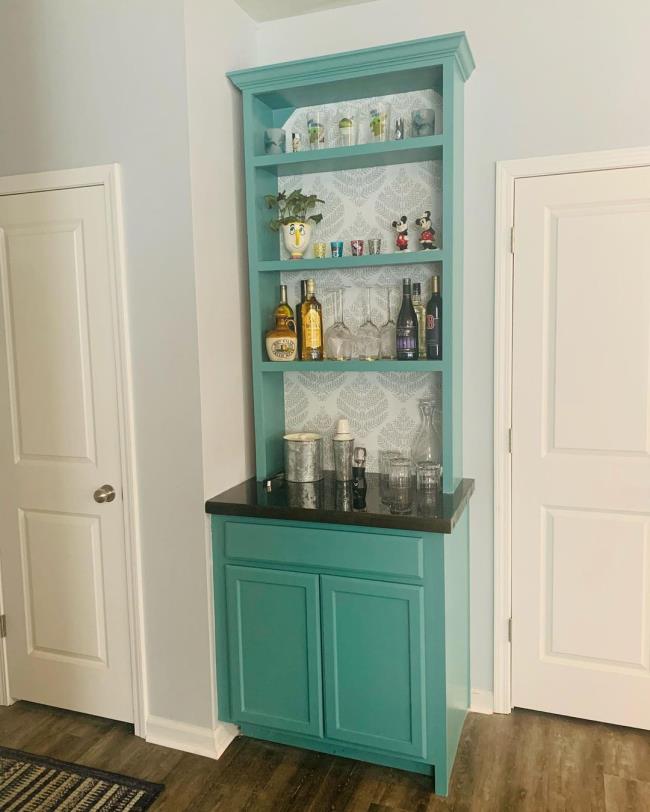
[407, 326]
[421, 313]
[359, 484]
[282, 341]
[434, 322]
[311, 325]
[303, 296]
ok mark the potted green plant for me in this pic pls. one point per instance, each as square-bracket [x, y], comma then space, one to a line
[294, 219]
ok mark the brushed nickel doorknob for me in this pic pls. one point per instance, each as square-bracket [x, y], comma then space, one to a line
[104, 494]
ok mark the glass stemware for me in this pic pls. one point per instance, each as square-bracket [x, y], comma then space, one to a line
[387, 332]
[339, 340]
[367, 338]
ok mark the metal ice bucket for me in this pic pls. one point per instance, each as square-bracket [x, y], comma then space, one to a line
[303, 457]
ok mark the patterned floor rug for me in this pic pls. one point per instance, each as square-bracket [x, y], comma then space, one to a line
[31, 783]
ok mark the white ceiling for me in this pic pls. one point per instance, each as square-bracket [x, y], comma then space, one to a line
[263, 10]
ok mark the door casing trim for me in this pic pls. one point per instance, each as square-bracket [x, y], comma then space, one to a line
[108, 177]
[507, 172]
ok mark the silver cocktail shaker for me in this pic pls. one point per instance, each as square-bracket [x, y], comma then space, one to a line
[343, 449]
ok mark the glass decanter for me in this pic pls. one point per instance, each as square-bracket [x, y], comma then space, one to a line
[427, 444]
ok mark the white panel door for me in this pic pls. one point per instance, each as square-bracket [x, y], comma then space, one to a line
[62, 553]
[581, 446]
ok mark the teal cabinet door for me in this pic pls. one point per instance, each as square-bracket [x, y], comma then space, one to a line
[274, 648]
[373, 657]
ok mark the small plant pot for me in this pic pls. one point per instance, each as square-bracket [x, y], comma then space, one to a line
[296, 236]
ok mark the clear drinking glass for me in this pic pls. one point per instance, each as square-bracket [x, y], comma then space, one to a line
[339, 341]
[387, 332]
[385, 459]
[400, 485]
[367, 339]
[427, 475]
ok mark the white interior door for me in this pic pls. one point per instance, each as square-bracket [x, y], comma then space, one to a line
[581, 446]
[62, 552]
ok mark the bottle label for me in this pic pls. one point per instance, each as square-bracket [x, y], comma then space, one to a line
[311, 330]
[407, 343]
[283, 348]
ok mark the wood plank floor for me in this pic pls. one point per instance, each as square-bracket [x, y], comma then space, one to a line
[524, 761]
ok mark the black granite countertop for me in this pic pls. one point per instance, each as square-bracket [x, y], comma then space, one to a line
[329, 501]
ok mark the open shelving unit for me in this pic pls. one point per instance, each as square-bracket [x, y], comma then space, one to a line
[270, 97]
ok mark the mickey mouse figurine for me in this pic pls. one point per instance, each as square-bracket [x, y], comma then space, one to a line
[401, 226]
[427, 235]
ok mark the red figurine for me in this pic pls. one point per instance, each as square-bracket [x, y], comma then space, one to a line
[401, 227]
[428, 235]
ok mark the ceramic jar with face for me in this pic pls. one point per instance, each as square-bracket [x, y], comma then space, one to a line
[296, 236]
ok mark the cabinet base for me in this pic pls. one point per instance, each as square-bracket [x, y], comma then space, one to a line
[338, 749]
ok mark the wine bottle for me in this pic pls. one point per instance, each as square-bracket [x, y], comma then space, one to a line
[303, 296]
[407, 326]
[434, 322]
[421, 313]
[311, 325]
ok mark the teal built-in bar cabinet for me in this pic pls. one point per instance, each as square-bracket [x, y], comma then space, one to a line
[340, 630]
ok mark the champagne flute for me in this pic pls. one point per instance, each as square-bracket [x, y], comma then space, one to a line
[387, 332]
[367, 339]
[339, 341]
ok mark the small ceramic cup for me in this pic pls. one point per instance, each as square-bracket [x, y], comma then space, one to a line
[374, 245]
[337, 248]
[356, 246]
[275, 141]
[320, 250]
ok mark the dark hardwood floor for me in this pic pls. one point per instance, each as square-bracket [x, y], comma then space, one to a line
[524, 761]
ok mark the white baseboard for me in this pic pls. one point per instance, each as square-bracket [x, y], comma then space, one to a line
[202, 741]
[482, 701]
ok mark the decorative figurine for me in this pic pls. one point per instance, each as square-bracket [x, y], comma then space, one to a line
[427, 235]
[401, 226]
[295, 142]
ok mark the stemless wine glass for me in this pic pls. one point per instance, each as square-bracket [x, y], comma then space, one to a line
[339, 341]
[387, 332]
[367, 339]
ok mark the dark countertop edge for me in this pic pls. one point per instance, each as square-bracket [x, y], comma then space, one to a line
[435, 524]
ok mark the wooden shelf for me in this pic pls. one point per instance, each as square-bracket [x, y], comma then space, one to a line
[366, 261]
[359, 156]
[351, 366]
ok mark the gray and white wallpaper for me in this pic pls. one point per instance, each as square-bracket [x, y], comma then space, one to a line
[360, 204]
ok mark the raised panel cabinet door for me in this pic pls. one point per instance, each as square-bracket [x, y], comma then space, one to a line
[373, 658]
[581, 446]
[274, 649]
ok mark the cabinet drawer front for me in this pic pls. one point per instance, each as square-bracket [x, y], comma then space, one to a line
[373, 657]
[305, 545]
[274, 648]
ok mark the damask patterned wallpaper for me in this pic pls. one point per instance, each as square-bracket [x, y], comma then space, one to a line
[359, 204]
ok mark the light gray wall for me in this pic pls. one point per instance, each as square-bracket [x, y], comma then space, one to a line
[85, 83]
[551, 78]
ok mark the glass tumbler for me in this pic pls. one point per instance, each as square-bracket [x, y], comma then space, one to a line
[386, 456]
[400, 486]
[427, 476]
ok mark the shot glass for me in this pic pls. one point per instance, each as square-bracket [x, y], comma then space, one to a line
[356, 246]
[400, 486]
[374, 245]
[320, 250]
[337, 248]
[423, 122]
